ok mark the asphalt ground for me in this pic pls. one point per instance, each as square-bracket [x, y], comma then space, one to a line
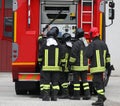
[8, 96]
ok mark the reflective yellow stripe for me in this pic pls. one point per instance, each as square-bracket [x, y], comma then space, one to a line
[81, 58]
[63, 60]
[40, 37]
[108, 59]
[101, 91]
[64, 84]
[56, 56]
[41, 86]
[79, 68]
[101, 15]
[76, 89]
[51, 68]
[15, 26]
[98, 58]
[56, 87]
[76, 85]
[86, 88]
[97, 69]
[72, 59]
[46, 57]
[39, 59]
[46, 86]
[85, 84]
[104, 55]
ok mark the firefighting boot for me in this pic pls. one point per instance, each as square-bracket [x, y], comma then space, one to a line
[76, 95]
[86, 95]
[46, 95]
[40, 94]
[54, 95]
[100, 101]
[65, 94]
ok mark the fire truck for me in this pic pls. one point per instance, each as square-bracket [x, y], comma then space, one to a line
[30, 17]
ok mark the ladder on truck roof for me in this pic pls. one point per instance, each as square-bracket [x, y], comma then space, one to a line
[88, 11]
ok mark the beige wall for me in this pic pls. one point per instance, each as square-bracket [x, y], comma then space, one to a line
[113, 39]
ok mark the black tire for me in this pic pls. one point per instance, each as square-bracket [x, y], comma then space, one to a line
[26, 87]
[19, 90]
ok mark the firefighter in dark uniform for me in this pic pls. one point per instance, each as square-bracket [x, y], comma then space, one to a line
[67, 45]
[42, 37]
[99, 56]
[50, 55]
[41, 40]
[78, 63]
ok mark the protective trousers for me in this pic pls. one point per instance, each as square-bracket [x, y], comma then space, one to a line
[64, 85]
[99, 86]
[49, 80]
[76, 84]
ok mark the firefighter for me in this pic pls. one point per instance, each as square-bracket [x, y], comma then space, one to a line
[99, 56]
[50, 54]
[41, 39]
[78, 63]
[67, 45]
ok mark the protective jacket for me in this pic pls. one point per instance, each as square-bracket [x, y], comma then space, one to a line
[67, 50]
[50, 55]
[99, 55]
[78, 60]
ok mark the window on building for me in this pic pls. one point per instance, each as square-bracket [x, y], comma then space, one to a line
[8, 19]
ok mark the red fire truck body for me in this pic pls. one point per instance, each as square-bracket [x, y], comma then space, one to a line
[31, 16]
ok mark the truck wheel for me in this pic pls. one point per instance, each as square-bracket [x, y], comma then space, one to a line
[19, 90]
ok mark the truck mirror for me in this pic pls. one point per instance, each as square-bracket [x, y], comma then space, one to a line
[111, 13]
[111, 10]
[111, 4]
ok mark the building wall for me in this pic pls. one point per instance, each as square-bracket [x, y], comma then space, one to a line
[5, 43]
[5, 56]
[113, 39]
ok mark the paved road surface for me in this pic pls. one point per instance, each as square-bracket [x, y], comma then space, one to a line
[9, 98]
